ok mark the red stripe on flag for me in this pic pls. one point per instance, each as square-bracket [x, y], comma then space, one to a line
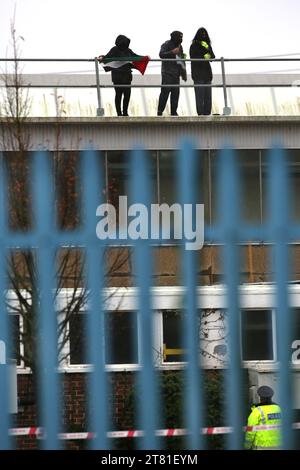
[130, 434]
[141, 65]
[170, 432]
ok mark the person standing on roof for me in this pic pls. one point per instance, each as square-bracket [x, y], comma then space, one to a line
[201, 70]
[171, 71]
[120, 60]
[264, 413]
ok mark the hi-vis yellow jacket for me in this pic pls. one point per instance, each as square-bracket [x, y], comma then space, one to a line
[264, 439]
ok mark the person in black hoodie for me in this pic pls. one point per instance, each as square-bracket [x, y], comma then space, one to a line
[171, 71]
[121, 75]
[201, 71]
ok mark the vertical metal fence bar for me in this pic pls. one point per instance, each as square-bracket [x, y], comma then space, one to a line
[49, 399]
[148, 400]
[228, 203]
[92, 182]
[274, 101]
[187, 177]
[157, 158]
[209, 183]
[5, 442]
[100, 110]
[279, 210]
[231, 100]
[187, 100]
[106, 175]
[261, 199]
[144, 102]
[226, 109]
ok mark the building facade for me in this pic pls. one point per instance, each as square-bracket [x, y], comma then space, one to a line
[113, 139]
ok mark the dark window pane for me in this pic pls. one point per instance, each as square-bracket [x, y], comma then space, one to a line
[167, 177]
[249, 180]
[65, 167]
[265, 173]
[293, 161]
[78, 340]
[17, 164]
[121, 338]
[169, 185]
[15, 337]
[250, 185]
[296, 325]
[292, 158]
[257, 339]
[172, 341]
[118, 176]
[294, 183]
[203, 184]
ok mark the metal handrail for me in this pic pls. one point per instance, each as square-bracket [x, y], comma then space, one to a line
[98, 86]
[240, 59]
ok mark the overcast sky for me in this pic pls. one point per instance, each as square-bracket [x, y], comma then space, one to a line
[83, 29]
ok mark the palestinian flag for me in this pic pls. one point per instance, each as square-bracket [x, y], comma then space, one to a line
[137, 62]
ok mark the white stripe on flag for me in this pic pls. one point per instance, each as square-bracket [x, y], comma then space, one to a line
[115, 64]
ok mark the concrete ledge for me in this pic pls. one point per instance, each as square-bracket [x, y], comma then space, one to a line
[157, 119]
[157, 133]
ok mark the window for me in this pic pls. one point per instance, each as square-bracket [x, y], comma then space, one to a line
[118, 170]
[249, 181]
[168, 189]
[119, 175]
[167, 177]
[121, 338]
[78, 338]
[294, 183]
[172, 340]
[249, 162]
[66, 174]
[296, 325]
[257, 335]
[15, 337]
[293, 161]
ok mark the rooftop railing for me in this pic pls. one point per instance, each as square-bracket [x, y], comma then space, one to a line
[289, 81]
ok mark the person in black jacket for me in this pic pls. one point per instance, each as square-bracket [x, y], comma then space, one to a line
[201, 70]
[120, 75]
[171, 72]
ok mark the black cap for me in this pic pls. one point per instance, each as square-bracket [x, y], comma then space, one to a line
[265, 392]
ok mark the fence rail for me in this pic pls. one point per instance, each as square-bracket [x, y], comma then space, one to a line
[46, 238]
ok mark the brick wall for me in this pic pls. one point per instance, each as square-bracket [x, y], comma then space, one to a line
[74, 412]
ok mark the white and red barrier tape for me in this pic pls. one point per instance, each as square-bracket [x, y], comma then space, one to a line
[35, 431]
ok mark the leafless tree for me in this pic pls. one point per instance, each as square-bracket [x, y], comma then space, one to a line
[22, 264]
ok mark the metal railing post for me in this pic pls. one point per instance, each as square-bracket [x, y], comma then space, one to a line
[100, 110]
[226, 109]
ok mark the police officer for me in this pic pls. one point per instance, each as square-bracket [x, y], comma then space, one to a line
[264, 413]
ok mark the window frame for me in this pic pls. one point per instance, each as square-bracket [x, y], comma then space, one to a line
[273, 334]
[252, 297]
